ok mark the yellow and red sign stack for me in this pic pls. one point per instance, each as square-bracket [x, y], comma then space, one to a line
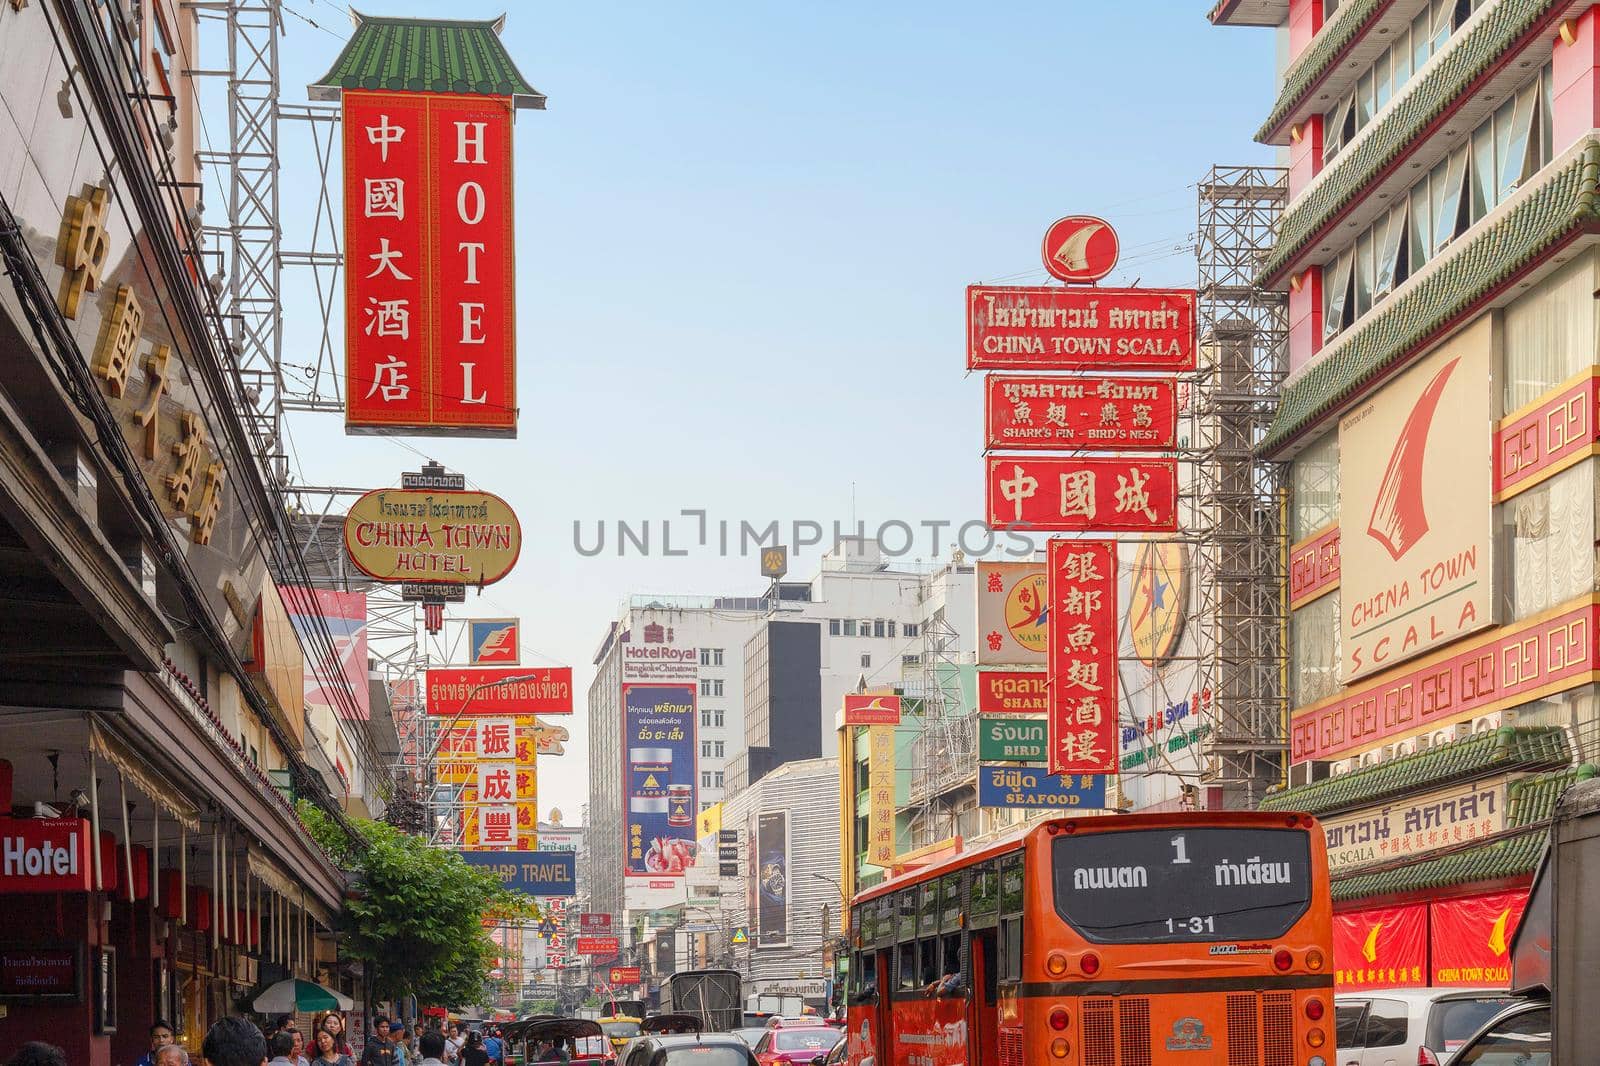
[493, 760]
[1094, 419]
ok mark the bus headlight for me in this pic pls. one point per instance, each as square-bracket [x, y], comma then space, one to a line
[1316, 1037]
[1056, 964]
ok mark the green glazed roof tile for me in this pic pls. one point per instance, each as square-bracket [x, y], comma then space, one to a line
[1563, 200]
[1532, 801]
[1475, 756]
[429, 55]
[1354, 169]
[1309, 67]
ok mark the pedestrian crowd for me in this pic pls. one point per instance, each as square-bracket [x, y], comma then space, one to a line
[240, 1042]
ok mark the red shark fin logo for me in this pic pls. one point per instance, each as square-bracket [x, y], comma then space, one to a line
[1398, 520]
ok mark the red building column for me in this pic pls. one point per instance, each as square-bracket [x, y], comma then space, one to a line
[1575, 69]
[1305, 317]
[1305, 19]
[1305, 154]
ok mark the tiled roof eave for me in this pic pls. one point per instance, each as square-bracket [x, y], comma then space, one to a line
[1474, 268]
[427, 56]
[1322, 55]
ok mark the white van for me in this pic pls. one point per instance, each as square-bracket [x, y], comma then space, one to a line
[1410, 1026]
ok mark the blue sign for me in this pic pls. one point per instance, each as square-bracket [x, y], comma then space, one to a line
[659, 757]
[537, 873]
[1010, 786]
[493, 641]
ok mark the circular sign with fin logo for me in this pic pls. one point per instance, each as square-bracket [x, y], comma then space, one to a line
[1028, 614]
[1158, 599]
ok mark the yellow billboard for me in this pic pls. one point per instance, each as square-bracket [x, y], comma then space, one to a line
[1013, 627]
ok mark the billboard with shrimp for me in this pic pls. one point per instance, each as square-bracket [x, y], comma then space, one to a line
[660, 772]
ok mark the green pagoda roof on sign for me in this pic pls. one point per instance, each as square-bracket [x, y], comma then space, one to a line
[427, 56]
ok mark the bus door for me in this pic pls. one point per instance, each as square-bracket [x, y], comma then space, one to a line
[983, 1007]
[883, 1009]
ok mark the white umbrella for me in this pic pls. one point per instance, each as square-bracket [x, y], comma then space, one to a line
[297, 995]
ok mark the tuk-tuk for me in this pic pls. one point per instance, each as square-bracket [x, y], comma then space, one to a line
[619, 1029]
[669, 1024]
[583, 1039]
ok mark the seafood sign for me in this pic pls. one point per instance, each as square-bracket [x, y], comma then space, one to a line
[660, 772]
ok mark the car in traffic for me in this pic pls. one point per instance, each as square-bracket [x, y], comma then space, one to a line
[778, 1021]
[751, 1033]
[1520, 1034]
[1410, 1026]
[796, 1044]
[836, 1057]
[700, 1049]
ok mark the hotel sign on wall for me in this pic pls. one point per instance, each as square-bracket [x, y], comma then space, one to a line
[432, 537]
[430, 331]
[1416, 476]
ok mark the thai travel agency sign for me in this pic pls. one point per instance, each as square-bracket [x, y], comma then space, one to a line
[1417, 485]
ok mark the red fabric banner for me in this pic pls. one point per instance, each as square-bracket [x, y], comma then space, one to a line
[1385, 947]
[1083, 656]
[1471, 938]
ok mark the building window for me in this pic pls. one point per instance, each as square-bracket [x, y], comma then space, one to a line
[1549, 535]
[892, 625]
[710, 656]
[878, 628]
[716, 779]
[911, 629]
[705, 779]
[849, 627]
[1314, 488]
[833, 627]
[866, 661]
[711, 749]
[710, 718]
[1314, 651]
[711, 686]
[1550, 333]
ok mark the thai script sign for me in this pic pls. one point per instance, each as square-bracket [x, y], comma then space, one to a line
[1013, 691]
[1009, 786]
[1054, 328]
[1093, 413]
[1008, 738]
[1416, 489]
[597, 945]
[660, 779]
[430, 333]
[1546, 653]
[861, 709]
[624, 975]
[1414, 826]
[1083, 656]
[1084, 493]
[486, 690]
[432, 537]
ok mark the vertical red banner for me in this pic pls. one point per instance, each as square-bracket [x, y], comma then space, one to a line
[1083, 656]
[1385, 947]
[1471, 938]
[430, 334]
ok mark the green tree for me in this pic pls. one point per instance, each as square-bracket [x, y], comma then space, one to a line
[415, 913]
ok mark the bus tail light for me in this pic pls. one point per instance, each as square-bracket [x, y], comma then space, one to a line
[1059, 1019]
[1292, 820]
[1089, 964]
[1314, 959]
[1314, 1009]
[1281, 959]
[1055, 964]
[1059, 1048]
[1316, 1037]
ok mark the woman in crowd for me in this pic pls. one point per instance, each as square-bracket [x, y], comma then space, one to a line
[328, 1053]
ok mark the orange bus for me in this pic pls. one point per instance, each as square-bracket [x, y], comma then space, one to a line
[1128, 940]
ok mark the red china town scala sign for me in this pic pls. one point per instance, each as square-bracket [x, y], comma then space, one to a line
[1080, 248]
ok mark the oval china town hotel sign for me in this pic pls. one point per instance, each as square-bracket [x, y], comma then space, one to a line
[433, 536]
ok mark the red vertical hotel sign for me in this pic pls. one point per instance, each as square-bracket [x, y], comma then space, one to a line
[430, 336]
[1083, 656]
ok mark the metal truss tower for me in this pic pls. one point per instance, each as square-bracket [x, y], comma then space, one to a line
[1239, 565]
[945, 759]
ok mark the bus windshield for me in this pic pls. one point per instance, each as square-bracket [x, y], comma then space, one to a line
[1148, 886]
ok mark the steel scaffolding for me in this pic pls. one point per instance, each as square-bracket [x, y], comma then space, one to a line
[945, 755]
[1238, 523]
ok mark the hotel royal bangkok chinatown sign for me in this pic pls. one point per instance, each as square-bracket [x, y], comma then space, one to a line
[430, 279]
[1081, 443]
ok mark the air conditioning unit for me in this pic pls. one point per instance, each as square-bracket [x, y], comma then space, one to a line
[1486, 724]
[1424, 742]
[1463, 730]
[1403, 748]
[1443, 736]
[1369, 759]
[1338, 769]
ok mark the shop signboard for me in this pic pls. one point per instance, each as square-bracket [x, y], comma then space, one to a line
[660, 774]
[41, 973]
[344, 616]
[1416, 483]
[1008, 738]
[592, 924]
[430, 331]
[46, 855]
[1011, 614]
[1382, 947]
[485, 690]
[1083, 656]
[429, 537]
[772, 879]
[1471, 938]
[597, 945]
[1079, 413]
[1049, 327]
[1082, 493]
[1416, 826]
[864, 710]
[1080, 249]
[494, 641]
[1011, 786]
[1013, 691]
[880, 795]
[534, 873]
[624, 975]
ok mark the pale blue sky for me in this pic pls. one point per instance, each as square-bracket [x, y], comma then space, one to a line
[743, 231]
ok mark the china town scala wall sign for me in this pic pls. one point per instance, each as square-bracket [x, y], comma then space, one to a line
[432, 536]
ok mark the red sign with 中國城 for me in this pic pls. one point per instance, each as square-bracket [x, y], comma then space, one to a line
[1013, 692]
[430, 334]
[861, 709]
[1082, 413]
[1050, 327]
[1471, 938]
[1083, 656]
[1082, 493]
[1382, 947]
[484, 690]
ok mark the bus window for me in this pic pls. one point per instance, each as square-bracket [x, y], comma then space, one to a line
[950, 968]
[928, 908]
[1011, 885]
[907, 927]
[950, 903]
[985, 895]
[907, 966]
[1011, 949]
[928, 956]
[862, 919]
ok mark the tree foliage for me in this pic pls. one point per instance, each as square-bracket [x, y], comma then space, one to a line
[415, 913]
